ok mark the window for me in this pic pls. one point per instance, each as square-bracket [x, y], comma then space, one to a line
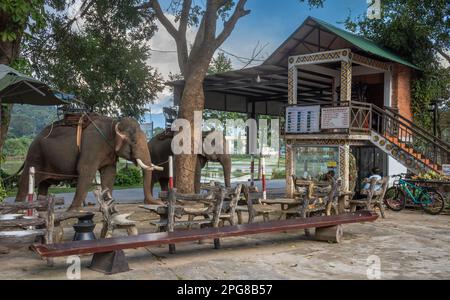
[311, 163]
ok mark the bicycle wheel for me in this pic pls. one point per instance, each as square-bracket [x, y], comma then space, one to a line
[395, 199]
[432, 202]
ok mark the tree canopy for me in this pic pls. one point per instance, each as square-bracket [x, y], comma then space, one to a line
[100, 55]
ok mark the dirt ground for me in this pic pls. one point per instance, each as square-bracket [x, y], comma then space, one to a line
[407, 245]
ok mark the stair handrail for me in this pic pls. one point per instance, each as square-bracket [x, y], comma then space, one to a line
[411, 124]
[414, 129]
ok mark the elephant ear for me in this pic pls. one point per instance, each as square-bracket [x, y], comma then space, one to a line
[120, 138]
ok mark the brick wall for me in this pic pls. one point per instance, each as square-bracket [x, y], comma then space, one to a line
[401, 90]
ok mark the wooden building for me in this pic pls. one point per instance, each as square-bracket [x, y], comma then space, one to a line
[341, 94]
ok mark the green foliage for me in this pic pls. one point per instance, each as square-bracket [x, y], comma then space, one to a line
[220, 64]
[430, 176]
[158, 130]
[28, 120]
[101, 60]
[16, 146]
[21, 15]
[278, 174]
[418, 30]
[129, 176]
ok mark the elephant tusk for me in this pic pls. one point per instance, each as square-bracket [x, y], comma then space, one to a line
[156, 168]
[147, 168]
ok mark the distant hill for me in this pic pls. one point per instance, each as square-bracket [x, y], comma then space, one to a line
[29, 120]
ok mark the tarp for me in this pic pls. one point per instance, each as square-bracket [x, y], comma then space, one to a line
[16, 87]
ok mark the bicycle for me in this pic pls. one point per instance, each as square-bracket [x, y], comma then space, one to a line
[430, 200]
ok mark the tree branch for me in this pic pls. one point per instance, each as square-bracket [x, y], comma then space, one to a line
[229, 25]
[161, 17]
[444, 54]
[184, 17]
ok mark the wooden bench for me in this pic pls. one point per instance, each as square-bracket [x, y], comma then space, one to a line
[110, 258]
[374, 197]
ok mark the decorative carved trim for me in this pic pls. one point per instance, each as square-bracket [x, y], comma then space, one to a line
[292, 85]
[346, 81]
[320, 57]
[369, 62]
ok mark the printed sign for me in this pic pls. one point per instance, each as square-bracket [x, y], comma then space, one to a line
[336, 118]
[302, 119]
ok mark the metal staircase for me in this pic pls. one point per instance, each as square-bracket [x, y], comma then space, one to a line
[409, 144]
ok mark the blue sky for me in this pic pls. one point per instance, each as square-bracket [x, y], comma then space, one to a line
[271, 22]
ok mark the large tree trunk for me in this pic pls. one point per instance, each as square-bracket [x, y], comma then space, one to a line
[9, 51]
[193, 100]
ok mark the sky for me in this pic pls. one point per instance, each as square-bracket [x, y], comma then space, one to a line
[270, 23]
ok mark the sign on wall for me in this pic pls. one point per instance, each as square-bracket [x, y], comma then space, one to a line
[303, 119]
[336, 118]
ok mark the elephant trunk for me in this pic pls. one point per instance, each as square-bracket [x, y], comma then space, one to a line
[144, 161]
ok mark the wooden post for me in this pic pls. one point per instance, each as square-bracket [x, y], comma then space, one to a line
[263, 171]
[252, 171]
[171, 217]
[217, 210]
[50, 224]
[30, 189]
[170, 172]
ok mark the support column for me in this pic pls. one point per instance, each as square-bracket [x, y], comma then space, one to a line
[289, 169]
[344, 165]
[346, 80]
[293, 85]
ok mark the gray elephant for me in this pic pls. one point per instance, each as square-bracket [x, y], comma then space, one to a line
[58, 154]
[160, 150]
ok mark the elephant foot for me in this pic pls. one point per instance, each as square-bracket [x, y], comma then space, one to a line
[153, 202]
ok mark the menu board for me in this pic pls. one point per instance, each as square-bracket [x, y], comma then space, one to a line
[302, 119]
[336, 118]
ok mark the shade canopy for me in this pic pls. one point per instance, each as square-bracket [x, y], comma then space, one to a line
[21, 89]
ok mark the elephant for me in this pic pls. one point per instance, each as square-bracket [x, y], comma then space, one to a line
[59, 153]
[160, 148]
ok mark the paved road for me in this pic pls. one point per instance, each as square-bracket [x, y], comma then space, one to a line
[133, 196]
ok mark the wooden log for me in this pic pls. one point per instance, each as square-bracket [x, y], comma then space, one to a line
[188, 197]
[23, 223]
[8, 208]
[67, 215]
[330, 234]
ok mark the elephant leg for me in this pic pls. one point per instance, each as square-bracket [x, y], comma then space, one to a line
[164, 183]
[84, 183]
[43, 188]
[108, 176]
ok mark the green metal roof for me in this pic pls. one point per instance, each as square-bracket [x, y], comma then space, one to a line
[364, 44]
